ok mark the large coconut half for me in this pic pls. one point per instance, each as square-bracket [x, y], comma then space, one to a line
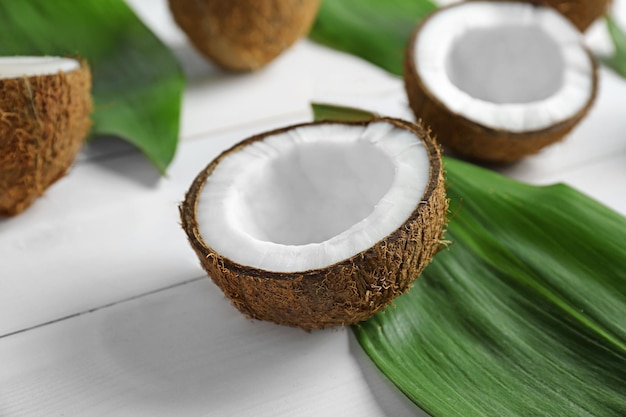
[582, 13]
[497, 81]
[45, 103]
[320, 224]
[242, 34]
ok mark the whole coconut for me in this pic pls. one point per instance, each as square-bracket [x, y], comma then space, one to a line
[244, 35]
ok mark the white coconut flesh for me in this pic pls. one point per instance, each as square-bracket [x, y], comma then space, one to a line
[510, 66]
[312, 196]
[29, 66]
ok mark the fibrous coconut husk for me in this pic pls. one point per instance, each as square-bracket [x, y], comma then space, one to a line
[244, 35]
[43, 124]
[341, 294]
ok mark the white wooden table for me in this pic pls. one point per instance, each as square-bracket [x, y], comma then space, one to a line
[105, 311]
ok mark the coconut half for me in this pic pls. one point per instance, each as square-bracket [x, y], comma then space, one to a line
[45, 103]
[319, 224]
[243, 35]
[497, 81]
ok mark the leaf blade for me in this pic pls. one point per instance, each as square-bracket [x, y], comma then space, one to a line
[617, 62]
[332, 112]
[522, 315]
[506, 310]
[137, 82]
[377, 31]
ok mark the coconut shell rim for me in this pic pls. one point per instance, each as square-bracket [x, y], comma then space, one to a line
[83, 64]
[188, 207]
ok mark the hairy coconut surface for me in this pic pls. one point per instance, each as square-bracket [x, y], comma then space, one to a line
[241, 34]
[497, 81]
[582, 13]
[45, 105]
[325, 223]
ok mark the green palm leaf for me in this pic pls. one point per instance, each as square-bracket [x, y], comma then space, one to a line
[137, 82]
[372, 29]
[617, 61]
[524, 314]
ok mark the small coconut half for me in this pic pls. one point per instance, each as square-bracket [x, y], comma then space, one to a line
[497, 81]
[243, 35]
[45, 103]
[319, 224]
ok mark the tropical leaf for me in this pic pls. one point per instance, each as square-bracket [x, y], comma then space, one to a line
[375, 30]
[617, 62]
[523, 315]
[137, 82]
[332, 112]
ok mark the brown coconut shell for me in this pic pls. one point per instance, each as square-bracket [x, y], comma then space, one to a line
[343, 293]
[472, 140]
[582, 13]
[44, 121]
[244, 35]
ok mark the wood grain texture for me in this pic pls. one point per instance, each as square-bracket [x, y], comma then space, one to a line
[183, 351]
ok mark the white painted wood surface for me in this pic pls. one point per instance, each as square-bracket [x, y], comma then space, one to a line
[105, 311]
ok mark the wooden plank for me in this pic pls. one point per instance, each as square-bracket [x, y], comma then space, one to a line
[186, 351]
